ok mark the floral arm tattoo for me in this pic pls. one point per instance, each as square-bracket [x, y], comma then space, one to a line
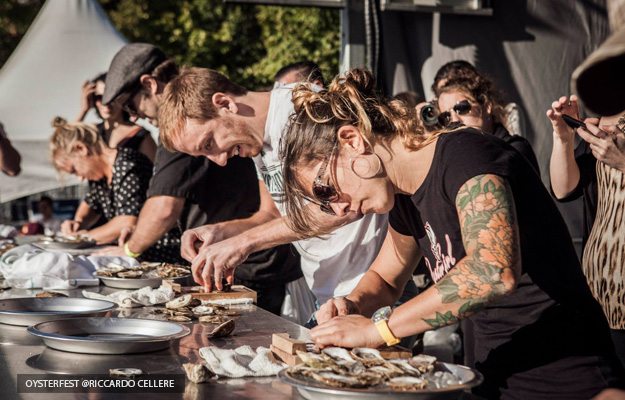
[490, 236]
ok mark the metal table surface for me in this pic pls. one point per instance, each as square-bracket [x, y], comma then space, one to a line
[21, 353]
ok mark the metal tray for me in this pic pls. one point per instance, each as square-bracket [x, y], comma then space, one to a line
[138, 283]
[50, 244]
[108, 335]
[31, 310]
[311, 389]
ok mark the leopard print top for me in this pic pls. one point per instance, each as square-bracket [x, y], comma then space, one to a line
[604, 255]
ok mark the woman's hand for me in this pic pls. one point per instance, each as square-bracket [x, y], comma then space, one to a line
[337, 306]
[607, 148]
[347, 331]
[561, 106]
[70, 226]
[86, 98]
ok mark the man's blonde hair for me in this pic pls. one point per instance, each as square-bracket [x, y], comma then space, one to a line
[190, 95]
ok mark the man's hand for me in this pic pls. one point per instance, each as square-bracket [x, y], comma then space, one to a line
[194, 239]
[561, 106]
[609, 148]
[111, 251]
[337, 306]
[70, 226]
[347, 331]
[219, 260]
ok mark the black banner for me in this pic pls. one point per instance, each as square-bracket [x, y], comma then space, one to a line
[42, 383]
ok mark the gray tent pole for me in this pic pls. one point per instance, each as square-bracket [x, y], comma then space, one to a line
[352, 36]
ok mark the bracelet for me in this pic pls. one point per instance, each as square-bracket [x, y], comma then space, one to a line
[129, 252]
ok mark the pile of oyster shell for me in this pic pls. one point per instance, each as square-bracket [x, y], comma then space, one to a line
[186, 308]
[145, 270]
[366, 368]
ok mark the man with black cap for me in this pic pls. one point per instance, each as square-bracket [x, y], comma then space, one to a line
[192, 191]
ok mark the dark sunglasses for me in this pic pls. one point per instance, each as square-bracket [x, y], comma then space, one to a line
[325, 193]
[97, 97]
[461, 108]
[129, 104]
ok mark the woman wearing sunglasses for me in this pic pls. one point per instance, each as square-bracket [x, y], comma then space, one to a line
[494, 243]
[474, 102]
[115, 128]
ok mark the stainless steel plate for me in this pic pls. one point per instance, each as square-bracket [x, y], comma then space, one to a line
[56, 245]
[311, 389]
[29, 311]
[138, 283]
[108, 335]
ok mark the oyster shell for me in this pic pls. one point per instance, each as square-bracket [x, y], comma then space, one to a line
[223, 330]
[179, 318]
[213, 319]
[369, 357]
[130, 274]
[404, 367]
[185, 300]
[337, 380]
[423, 363]
[385, 371]
[229, 313]
[196, 373]
[407, 383]
[317, 361]
[126, 372]
[203, 310]
[344, 359]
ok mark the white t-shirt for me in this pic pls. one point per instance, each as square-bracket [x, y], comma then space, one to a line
[333, 265]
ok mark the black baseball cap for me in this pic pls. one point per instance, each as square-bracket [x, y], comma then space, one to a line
[132, 61]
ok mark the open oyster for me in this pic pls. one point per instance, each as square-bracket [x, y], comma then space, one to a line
[407, 383]
[223, 330]
[369, 357]
[423, 363]
[186, 300]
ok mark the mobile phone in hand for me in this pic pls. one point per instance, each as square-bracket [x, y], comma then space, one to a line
[573, 122]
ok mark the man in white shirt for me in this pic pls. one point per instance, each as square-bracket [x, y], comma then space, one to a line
[205, 114]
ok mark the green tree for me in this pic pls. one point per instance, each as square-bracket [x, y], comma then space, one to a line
[15, 18]
[247, 42]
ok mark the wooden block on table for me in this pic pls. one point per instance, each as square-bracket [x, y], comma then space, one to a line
[237, 292]
[285, 343]
[395, 352]
[285, 357]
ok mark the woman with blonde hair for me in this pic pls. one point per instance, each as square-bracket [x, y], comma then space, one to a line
[493, 241]
[118, 181]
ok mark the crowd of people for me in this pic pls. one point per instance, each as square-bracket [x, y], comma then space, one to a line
[325, 199]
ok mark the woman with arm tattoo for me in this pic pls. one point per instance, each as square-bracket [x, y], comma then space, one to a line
[494, 243]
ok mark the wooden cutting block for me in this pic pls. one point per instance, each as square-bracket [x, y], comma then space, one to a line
[395, 352]
[237, 292]
[285, 357]
[284, 342]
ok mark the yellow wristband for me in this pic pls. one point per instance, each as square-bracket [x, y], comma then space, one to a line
[129, 252]
[385, 332]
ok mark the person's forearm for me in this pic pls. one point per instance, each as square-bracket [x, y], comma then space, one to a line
[158, 216]
[267, 235]
[563, 169]
[463, 291]
[238, 226]
[110, 231]
[373, 292]
[85, 215]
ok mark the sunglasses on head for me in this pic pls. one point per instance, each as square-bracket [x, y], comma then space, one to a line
[460, 108]
[323, 192]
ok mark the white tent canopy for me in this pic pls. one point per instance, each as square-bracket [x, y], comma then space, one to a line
[69, 42]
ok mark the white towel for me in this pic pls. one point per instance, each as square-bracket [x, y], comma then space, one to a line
[28, 267]
[136, 298]
[240, 362]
